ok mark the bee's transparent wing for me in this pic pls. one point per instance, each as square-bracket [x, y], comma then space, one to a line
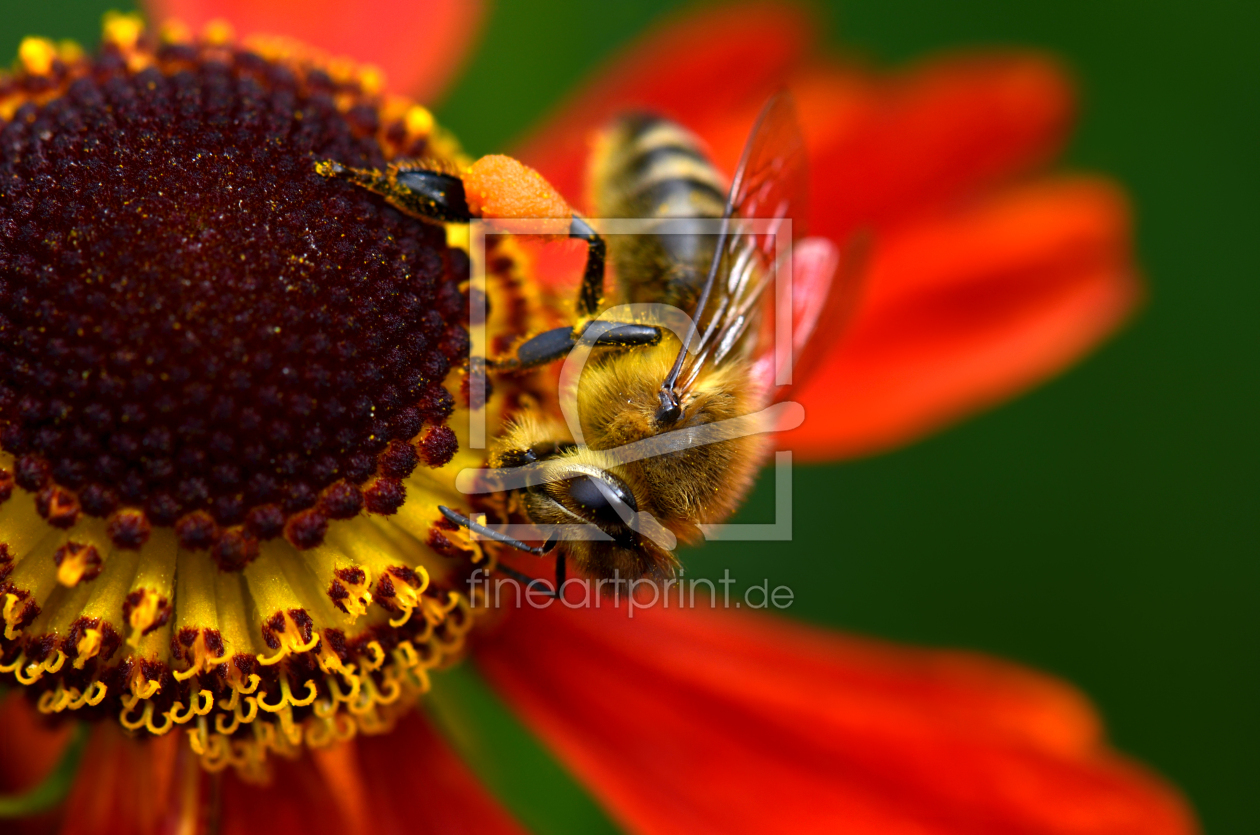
[770, 187]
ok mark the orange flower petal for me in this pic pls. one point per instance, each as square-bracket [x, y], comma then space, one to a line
[686, 721]
[695, 69]
[377, 785]
[125, 787]
[419, 43]
[968, 309]
[903, 146]
[29, 748]
[394, 784]
[880, 147]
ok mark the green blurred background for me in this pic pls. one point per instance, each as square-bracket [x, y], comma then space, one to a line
[1104, 527]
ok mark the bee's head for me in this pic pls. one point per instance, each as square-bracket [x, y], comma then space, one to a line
[592, 501]
[575, 493]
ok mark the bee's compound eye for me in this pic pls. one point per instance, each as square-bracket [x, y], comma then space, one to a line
[601, 497]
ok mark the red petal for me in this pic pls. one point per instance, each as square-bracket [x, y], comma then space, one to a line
[125, 787]
[28, 747]
[402, 782]
[903, 146]
[695, 69]
[29, 750]
[880, 148]
[967, 310]
[419, 43]
[826, 287]
[686, 721]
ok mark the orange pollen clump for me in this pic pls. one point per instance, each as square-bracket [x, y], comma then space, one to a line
[500, 187]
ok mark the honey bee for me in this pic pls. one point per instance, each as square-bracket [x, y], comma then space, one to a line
[669, 413]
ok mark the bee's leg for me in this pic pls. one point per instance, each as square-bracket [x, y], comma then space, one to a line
[489, 533]
[526, 579]
[561, 567]
[494, 187]
[555, 344]
[591, 292]
[420, 192]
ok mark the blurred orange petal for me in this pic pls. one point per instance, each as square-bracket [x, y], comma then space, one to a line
[685, 721]
[917, 141]
[126, 787]
[29, 750]
[696, 69]
[398, 783]
[28, 747]
[969, 309]
[421, 44]
[371, 785]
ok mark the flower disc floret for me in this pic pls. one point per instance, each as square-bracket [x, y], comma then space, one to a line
[226, 408]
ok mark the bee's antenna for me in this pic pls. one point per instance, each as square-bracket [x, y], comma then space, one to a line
[490, 533]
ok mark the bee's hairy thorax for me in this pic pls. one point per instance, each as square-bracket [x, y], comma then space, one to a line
[617, 401]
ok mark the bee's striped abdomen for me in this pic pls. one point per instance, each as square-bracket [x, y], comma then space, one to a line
[653, 169]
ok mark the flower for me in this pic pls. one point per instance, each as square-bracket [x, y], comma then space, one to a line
[675, 719]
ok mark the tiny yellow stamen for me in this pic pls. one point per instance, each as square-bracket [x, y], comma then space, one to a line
[124, 30]
[77, 560]
[340, 697]
[87, 647]
[37, 55]
[55, 701]
[419, 121]
[371, 79]
[292, 733]
[218, 33]
[125, 719]
[55, 663]
[360, 595]
[407, 599]
[226, 724]
[200, 705]
[287, 698]
[13, 667]
[377, 659]
[70, 51]
[458, 237]
[29, 674]
[291, 642]
[94, 695]
[175, 31]
[240, 683]
[12, 616]
[392, 691]
[143, 615]
[251, 711]
[141, 686]
[157, 730]
[311, 690]
[330, 662]
[203, 659]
